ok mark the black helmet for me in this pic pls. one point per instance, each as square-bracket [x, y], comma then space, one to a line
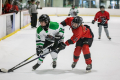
[102, 7]
[77, 20]
[37, 2]
[45, 18]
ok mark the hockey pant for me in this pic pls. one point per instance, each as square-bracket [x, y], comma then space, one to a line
[53, 55]
[105, 29]
[84, 47]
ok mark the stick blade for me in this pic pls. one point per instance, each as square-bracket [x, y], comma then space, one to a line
[3, 70]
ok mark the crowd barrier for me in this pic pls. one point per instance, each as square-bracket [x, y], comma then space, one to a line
[12, 22]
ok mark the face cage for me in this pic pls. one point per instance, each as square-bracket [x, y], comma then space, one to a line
[73, 26]
[46, 21]
[47, 25]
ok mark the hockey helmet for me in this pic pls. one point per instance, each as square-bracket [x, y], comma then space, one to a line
[77, 20]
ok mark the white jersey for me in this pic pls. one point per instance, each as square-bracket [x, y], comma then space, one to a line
[71, 12]
[53, 29]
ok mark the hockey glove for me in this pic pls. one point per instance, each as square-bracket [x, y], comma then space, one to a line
[57, 38]
[93, 21]
[39, 50]
[61, 46]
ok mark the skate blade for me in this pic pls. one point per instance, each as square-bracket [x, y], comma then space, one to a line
[87, 71]
[4, 70]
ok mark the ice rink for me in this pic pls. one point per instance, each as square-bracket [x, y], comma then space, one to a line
[105, 55]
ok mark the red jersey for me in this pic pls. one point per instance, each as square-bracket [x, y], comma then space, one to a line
[99, 15]
[8, 7]
[3, 10]
[15, 7]
[2, 5]
[80, 32]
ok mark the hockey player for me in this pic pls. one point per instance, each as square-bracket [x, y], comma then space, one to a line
[73, 11]
[47, 33]
[83, 37]
[102, 17]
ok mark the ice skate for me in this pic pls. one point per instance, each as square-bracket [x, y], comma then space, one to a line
[73, 65]
[88, 68]
[54, 64]
[109, 38]
[99, 37]
[36, 66]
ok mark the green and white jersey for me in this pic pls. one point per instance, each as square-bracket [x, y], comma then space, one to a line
[53, 29]
[71, 12]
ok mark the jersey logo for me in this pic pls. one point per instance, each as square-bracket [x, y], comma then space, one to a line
[38, 36]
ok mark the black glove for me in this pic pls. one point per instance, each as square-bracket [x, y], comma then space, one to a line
[57, 38]
[68, 14]
[93, 21]
[61, 46]
[39, 50]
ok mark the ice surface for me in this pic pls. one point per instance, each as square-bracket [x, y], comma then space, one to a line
[105, 56]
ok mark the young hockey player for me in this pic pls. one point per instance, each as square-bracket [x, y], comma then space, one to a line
[47, 33]
[102, 17]
[83, 37]
[73, 11]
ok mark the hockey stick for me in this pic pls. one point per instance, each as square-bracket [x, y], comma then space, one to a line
[11, 70]
[4, 70]
[86, 22]
[28, 62]
[31, 61]
[21, 63]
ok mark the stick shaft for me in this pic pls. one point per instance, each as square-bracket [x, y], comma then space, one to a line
[87, 22]
[15, 67]
[31, 61]
[23, 61]
[30, 57]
